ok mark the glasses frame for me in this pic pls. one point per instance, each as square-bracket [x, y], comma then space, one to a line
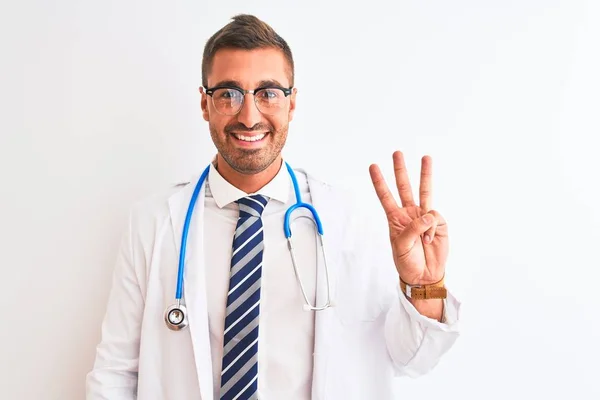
[244, 92]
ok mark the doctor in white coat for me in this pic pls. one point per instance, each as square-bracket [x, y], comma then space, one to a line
[391, 314]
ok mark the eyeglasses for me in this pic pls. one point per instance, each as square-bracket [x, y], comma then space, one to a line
[228, 100]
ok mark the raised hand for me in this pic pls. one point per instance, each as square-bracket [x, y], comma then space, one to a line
[418, 234]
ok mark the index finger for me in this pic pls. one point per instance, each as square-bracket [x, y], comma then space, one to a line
[383, 192]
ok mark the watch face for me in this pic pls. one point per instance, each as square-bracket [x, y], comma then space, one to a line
[175, 316]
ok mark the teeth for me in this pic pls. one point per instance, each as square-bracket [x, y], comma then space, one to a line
[250, 138]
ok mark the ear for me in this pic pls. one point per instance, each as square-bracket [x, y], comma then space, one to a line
[292, 104]
[203, 103]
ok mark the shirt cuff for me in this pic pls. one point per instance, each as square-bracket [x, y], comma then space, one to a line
[450, 316]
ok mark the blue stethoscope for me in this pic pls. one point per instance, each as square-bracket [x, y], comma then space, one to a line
[176, 314]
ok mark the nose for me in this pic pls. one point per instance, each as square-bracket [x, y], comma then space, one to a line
[249, 114]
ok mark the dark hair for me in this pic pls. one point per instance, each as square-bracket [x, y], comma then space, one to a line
[244, 32]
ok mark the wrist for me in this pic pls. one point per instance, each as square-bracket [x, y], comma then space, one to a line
[422, 280]
[431, 308]
[424, 291]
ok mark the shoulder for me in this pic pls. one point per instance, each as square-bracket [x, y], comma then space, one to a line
[156, 205]
[357, 202]
[339, 196]
[314, 180]
[317, 183]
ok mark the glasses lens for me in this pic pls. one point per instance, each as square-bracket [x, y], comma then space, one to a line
[270, 100]
[227, 101]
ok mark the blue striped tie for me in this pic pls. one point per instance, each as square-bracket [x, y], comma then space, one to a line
[239, 373]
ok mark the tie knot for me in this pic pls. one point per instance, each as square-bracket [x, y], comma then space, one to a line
[252, 206]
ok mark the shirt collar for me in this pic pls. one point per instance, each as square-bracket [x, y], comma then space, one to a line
[224, 193]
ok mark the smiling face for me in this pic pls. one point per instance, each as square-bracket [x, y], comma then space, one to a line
[249, 141]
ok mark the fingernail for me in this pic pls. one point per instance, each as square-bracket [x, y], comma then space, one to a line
[427, 239]
[427, 218]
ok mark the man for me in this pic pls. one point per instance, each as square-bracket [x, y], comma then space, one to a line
[257, 323]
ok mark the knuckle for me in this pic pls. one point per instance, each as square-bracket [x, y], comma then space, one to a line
[403, 187]
[385, 195]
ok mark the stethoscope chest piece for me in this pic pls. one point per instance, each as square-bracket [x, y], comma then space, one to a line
[176, 317]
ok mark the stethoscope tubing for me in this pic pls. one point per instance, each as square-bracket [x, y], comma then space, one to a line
[184, 235]
[286, 222]
[178, 311]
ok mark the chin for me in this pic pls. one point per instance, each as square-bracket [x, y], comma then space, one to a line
[250, 163]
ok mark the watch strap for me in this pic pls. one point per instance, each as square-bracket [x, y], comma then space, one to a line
[424, 292]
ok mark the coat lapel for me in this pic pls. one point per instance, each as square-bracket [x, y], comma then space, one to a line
[194, 278]
[324, 204]
[194, 294]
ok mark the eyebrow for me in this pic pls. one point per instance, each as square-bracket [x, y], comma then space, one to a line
[261, 84]
[270, 82]
[228, 83]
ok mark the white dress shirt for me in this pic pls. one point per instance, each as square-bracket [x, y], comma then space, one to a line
[286, 331]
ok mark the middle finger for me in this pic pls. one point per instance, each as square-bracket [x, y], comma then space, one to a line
[402, 182]
[425, 187]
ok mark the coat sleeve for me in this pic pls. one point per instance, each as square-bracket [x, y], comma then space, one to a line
[415, 343]
[114, 374]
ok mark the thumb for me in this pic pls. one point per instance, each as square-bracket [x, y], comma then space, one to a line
[415, 229]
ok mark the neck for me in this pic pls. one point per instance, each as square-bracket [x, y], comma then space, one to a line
[248, 183]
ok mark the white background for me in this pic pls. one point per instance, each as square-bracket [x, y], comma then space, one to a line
[99, 107]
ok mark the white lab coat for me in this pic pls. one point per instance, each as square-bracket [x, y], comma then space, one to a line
[369, 337]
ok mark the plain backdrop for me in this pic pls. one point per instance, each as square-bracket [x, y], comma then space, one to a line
[99, 107]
